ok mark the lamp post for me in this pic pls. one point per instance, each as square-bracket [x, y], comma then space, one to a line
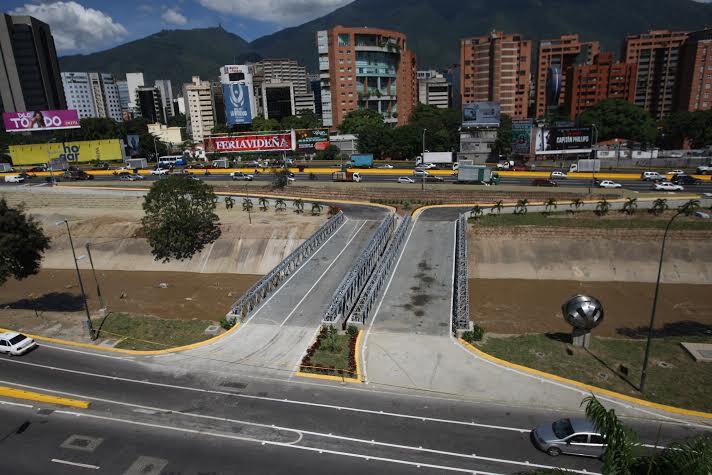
[422, 161]
[96, 280]
[644, 373]
[79, 277]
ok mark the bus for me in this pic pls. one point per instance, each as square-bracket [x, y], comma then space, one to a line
[168, 161]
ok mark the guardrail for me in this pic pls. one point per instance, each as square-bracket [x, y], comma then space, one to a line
[368, 297]
[461, 305]
[350, 288]
[250, 299]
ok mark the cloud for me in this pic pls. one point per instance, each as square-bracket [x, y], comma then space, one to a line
[282, 12]
[75, 27]
[174, 17]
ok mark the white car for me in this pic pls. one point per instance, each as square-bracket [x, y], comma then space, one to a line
[676, 172]
[667, 186]
[386, 166]
[609, 184]
[420, 173]
[14, 343]
[242, 176]
[160, 171]
[426, 166]
[130, 177]
[557, 174]
[405, 179]
[14, 179]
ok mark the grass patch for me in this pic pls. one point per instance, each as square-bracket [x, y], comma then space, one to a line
[615, 220]
[332, 353]
[674, 377]
[150, 333]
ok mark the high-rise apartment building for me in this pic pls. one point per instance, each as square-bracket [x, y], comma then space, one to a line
[199, 111]
[366, 68]
[92, 94]
[164, 86]
[562, 53]
[589, 84]
[695, 85]
[283, 72]
[124, 96]
[149, 104]
[133, 81]
[657, 54]
[497, 67]
[29, 71]
[434, 89]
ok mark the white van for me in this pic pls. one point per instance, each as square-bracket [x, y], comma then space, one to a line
[14, 179]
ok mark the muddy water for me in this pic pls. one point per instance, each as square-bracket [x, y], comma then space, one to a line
[534, 306]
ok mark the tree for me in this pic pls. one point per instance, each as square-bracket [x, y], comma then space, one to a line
[405, 142]
[476, 212]
[281, 178]
[443, 127]
[247, 205]
[316, 209]
[689, 208]
[298, 206]
[503, 143]
[303, 120]
[521, 206]
[22, 243]
[616, 118]
[659, 206]
[695, 127]
[177, 121]
[550, 204]
[630, 205]
[621, 442]
[260, 124]
[329, 154]
[602, 207]
[575, 204]
[229, 202]
[264, 203]
[359, 120]
[180, 217]
[374, 140]
[280, 205]
[497, 207]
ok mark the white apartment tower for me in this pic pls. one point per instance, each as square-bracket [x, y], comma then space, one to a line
[134, 81]
[92, 94]
[199, 109]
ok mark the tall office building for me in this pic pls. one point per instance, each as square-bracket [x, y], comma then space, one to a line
[164, 86]
[434, 89]
[496, 67]
[92, 94]
[657, 54]
[133, 82]
[589, 84]
[29, 71]
[562, 53]
[149, 104]
[124, 96]
[366, 68]
[695, 85]
[199, 111]
[283, 72]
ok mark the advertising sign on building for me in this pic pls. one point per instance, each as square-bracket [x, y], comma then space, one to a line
[41, 120]
[75, 151]
[237, 104]
[312, 140]
[133, 142]
[522, 136]
[252, 143]
[563, 140]
[480, 114]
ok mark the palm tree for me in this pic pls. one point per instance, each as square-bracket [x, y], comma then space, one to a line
[690, 207]
[602, 207]
[621, 443]
[575, 204]
[549, 204]
[497, 207]
[298, 206]
[229, 202]
[476, 212]
[280, 205]
[691, 456]
[264, 203]
[659, 206]
[521, 206]
[247, 205]
[316, 209]
[630, 206]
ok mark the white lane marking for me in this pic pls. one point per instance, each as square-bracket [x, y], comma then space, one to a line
[62, 348]
[281, 444]
[364, 345]
[8, 403]
[75, 464]
[333, 261]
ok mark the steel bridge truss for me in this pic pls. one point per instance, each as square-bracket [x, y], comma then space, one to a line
[461, 305]
[262, 288]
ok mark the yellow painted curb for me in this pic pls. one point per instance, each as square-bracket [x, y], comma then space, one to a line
[40, 397]
[357, 356]
[328, 377]
[588, 387]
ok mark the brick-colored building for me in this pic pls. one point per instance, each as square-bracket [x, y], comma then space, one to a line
[497, 67]
[695, 85]
[366, 68]
[563, 52]
[589, 84]
[657, 54]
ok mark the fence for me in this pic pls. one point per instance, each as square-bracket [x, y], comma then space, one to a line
[461, 305]
[252, 298]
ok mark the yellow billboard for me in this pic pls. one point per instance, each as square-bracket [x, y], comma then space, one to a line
[75, 151]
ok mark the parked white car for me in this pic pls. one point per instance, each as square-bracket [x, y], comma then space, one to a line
[14, 344]
[405, 179]
[14, 179]
[667, 186]
[558, 174]
[609, 184]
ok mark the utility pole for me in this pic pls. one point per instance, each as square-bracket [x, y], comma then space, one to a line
[96, 280]
[79, 277]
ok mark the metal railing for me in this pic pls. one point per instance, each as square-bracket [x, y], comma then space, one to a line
[350, 288]
[461, 305]
[370, 294]
[252, 298]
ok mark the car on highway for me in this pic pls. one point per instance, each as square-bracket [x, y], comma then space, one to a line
[15, 344]
[160, 171]
[685, 180]
[405, 179]
[544, 182]
[434, 179]
[576, 436]
[558, 174]
[75, 174]
[425, 166]
[121, 170]
[667, 186]
[420, 173]
[130, 177]
[609, 184]
[241, 176]
[676, 172]
[385, 166]
[651, 176]
[14, 179]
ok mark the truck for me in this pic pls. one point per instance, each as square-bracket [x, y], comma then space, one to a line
[221, 163]
[434, 157]
[586, 165]
[6, 167]
[134, 163]
[362, 160]
[467, 172]
[346, 176]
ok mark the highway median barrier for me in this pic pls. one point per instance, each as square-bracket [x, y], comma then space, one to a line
[14, 393]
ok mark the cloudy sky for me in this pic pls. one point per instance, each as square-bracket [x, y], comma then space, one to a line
[83, 26]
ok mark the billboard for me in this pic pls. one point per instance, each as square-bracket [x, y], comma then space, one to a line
[237, 104]
[522, 136]
[132, 140]
[75, 151]
[312, 140]
[40, 120]
[563, 140]
[480, 114]
[252, 143]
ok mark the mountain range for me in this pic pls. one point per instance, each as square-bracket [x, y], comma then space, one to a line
[434, 29]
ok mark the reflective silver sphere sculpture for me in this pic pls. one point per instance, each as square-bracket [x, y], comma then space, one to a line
[584, 313]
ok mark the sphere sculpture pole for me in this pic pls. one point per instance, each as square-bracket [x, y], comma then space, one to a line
[583, 313]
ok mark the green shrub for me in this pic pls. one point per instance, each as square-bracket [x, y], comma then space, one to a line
[227, 324]
[475, 335]
[352, 330]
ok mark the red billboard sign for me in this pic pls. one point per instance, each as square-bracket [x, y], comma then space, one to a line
[41, 120]
[251, 143]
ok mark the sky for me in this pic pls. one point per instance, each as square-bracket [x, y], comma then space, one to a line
[85, 26]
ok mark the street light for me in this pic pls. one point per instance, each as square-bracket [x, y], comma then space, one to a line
[422, 161]
[643, 375]
[96, 280]
[79, 277]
